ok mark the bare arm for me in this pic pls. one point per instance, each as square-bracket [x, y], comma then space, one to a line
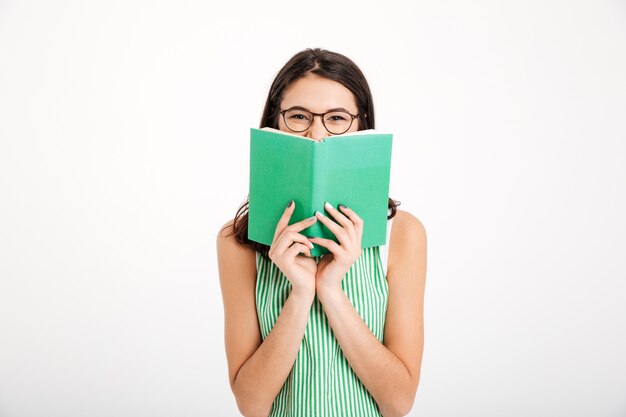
[257, 368]
[389, 371]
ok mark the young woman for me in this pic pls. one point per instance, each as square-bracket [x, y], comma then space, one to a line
[336, 335]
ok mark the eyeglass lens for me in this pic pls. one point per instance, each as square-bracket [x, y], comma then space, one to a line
[336, 122]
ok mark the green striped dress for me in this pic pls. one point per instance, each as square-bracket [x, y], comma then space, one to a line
[321, 382]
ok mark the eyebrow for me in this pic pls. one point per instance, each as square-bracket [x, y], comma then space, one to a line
[304, 108]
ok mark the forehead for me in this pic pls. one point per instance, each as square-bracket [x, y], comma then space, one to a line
[318, 94]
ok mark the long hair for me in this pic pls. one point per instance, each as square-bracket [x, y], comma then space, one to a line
[327, 64]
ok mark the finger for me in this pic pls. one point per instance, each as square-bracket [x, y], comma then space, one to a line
[344, 221]
[356, 220]
[297, 248]
[287, 238]
[284, 220]
[302, 224]
[337, 215]
[283, 223]
[337, 230]
[329, 244]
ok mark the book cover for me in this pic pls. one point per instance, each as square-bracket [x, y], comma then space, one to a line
[351, 169]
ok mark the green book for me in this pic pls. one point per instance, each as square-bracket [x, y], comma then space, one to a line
[352, 169]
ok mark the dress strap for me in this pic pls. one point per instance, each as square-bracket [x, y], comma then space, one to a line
[384, 249]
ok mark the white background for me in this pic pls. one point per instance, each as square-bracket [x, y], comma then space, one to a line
[124, 147]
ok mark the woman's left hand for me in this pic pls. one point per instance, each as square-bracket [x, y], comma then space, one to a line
[333, 267]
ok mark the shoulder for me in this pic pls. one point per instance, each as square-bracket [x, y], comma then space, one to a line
[406, 228]
[225, 236]
[225, 231]
[229, 249]
[407, 241]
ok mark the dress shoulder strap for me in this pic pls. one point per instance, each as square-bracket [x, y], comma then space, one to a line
[384, 249]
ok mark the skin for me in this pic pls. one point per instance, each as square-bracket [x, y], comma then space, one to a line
[258, 368]
[318, 95]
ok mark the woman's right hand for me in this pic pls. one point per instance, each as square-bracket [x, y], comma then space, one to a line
[284, 250]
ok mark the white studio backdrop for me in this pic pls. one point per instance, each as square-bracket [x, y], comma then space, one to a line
[123, 149]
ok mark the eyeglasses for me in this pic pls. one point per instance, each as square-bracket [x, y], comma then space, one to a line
[336, 122]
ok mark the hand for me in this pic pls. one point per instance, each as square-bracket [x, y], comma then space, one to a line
[333, 267]
[284, 250]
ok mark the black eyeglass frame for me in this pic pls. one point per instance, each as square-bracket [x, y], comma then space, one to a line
[352, 117]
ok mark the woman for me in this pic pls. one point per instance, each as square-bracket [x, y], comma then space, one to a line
[335, 335]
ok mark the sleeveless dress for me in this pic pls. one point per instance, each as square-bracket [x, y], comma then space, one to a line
[321, 382]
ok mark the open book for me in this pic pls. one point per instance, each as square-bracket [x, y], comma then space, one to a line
[352, 169]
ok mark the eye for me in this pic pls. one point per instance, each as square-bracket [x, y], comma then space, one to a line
[337, 117]
[298, 115]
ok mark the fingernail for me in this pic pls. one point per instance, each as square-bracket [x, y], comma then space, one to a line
[290, 203]
[328, 205]
[341, 206]
[317, 213]
[311, 218]
[311, 245]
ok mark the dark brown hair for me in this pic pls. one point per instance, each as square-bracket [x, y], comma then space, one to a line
[327, 64]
